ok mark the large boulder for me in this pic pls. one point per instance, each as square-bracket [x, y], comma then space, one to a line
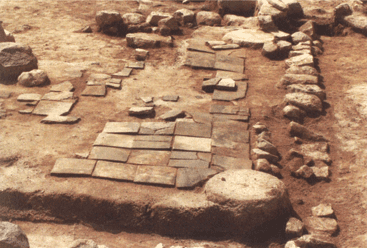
[11, 236]
[309, 103]
[110, 22]
[241, 7]
[208, 18]
[33, 78]
[356, 22]
[241, 21]
[15, 58]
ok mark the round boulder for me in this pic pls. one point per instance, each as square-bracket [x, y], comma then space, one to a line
[208, 18]
[12, 236]
[33, 78]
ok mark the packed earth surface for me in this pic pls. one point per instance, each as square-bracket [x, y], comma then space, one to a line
[249, 151]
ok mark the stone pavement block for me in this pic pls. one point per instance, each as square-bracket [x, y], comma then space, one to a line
[231, 96]
[53, 107]
[229, 63]
[114, 140]
[239, 150]
[224, 109]
[123, 73]
[183, 155]
[217, 117]
[199, 46]
[157, 128]
[234, 75]
[109, 154]
[57, 119]
[141, 111]
[206, 156]
[95, 90]
[227, 84]
[200, 60]
[152, 142]
[193, 129]
[73, 166]
[228, 134]
[171, 115]
[122, 127]
[58, 96]
[209, 85]
[116, 171]
[180, 163]
[65, 86]
[147, 157]
[229, 163]
[170, 98]
[244, 111]
[136, 64]
[29, 97]
[189, 177]
[202, 117]
[184, 143]
[156, 175]
[25, 111]
[153, 138]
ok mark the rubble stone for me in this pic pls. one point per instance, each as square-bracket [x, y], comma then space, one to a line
[294, 228]
[155, 16]
[323, 210]
[323, 226]
[11, 236]
[309, 103]
[208, 18]
[33, 78]
[304, 172]
[184, 16]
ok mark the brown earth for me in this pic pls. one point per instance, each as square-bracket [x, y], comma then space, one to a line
[29, 149]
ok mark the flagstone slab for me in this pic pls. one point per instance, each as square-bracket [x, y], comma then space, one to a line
[229, 63]
[115, 171]
[244, 111]
[53, 107]
[29, 97]
[141, 111]
[206, 156]
[136, 64]
[123, 73]
[219, 117]
[183, 155]
[200, 117]
[193, 129]
[157, 128]
[109, 154]
[73, 167]
[114, 140]
[172, 115]
[190, 177]
[58, 96]
[153, 138]
[209, 85]
[200, 60]
[229, 74]
[98, 76]
[224, 109]
[153, 142]
[184, 143]
[230, 163]
[189, 163]
[227, 84]
[170, 98]
[199, 46]
[122, 127]
[147, 99]
[65, 86]
[239, 150]
[248, 37]
[156, 175]
[147, 157]
[57, 119]
[220, 95]
[25, 111]
[95, 90]
[225, 47]
[228, 134]
[95, 82]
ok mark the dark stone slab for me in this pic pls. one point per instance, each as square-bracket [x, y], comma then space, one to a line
[152, 142]
[172, 115]
[53, 108]
[200, 117]
[229, 163]
[209, 85]
[116, 171]
[73, 166]
[199, 46]
[170, 98]
[157, 128]
[183, 155]
[229, 133]
[161, 175]
[147, 157]
[229, 63]
[200, 60]
[65, 86]
[122, 127]
[190, 177]
[109, 154]
[193, 129]
[180, 163]
[95, 90]
[224, 109]
[239, 150]
[114, 140]
[220, 95]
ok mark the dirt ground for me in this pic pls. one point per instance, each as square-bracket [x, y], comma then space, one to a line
[28, 149]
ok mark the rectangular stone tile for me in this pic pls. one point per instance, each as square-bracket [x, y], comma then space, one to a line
[95, 90]
[122, 127]
[114, 140]
[209, 85]
[229, 63]
[153, 138]
[184, 143]
[116, 171]
[73, 166]
[217, 117]
[180, 163]
[244, 111]
[224, 109]
[200, 117]
[156, 175]
[239, 150]
[228, 133]
[206, 156]
[170, 98]
[58, 96]
[136, 64]
[57, 119]
[183, 155]
[193, 129]
[152, 145]
[200, 60]
[65, 86]
[123, 73]
[199, 46]
[157, 128]
[109, 154]
[220, 95]
[53, 108]
[234, 75]
[147, 157]
[190, 177]
[230, 163]
[29, 97]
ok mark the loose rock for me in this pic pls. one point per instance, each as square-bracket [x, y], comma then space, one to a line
[263, 154]
[309, 103]
[321, 173]
[323, 226]
[294, 228]
[270, 50]
[314, 241]
[267, 146]
[259, 127]
[143, 40]
[304, 172]
[298, 37]
[262, 165]
[184, 16]
[309, 89]
[208, 18]
[155, 17]
[309, 29]
[172, 115]
[267, 24]
[33, 78]
[133, 18]
[302, 70]
[109, 21]
[323, 210]
[294, 113]
[342, 10]
[289, 79]
[304, 133]
[141, 111]
[301, 60]
[12, 236]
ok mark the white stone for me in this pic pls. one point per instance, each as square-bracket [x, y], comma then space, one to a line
[298, 37]
[155, 17]
[33, 78]
[226, 84]
[133, 18]
[248, 38]
[323, 210]
[301, 60]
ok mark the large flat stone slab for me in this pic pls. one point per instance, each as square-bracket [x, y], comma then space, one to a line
[109, 154]
[199, 46]
[156, 175]
[193, 129]
[123, 73]
[190, 177]
[147, 157]
[65, 86]
[57, 119]
[152, 142]
[190, 163]
[230, 163]
[200, 60]
[95, 90]
[115, 171]
[224, 109]
[29, 97]
[122, 127]
[248, 37]
[229, 63]
[183, 155]
[238, 150]
[157, 128]
[230, 74]
[114, 140]
[228, 134]
[73, 167]
[172, 115]
[58, 96]
[53, 107]
[184, 143]
[144, 40]
[228, 96]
